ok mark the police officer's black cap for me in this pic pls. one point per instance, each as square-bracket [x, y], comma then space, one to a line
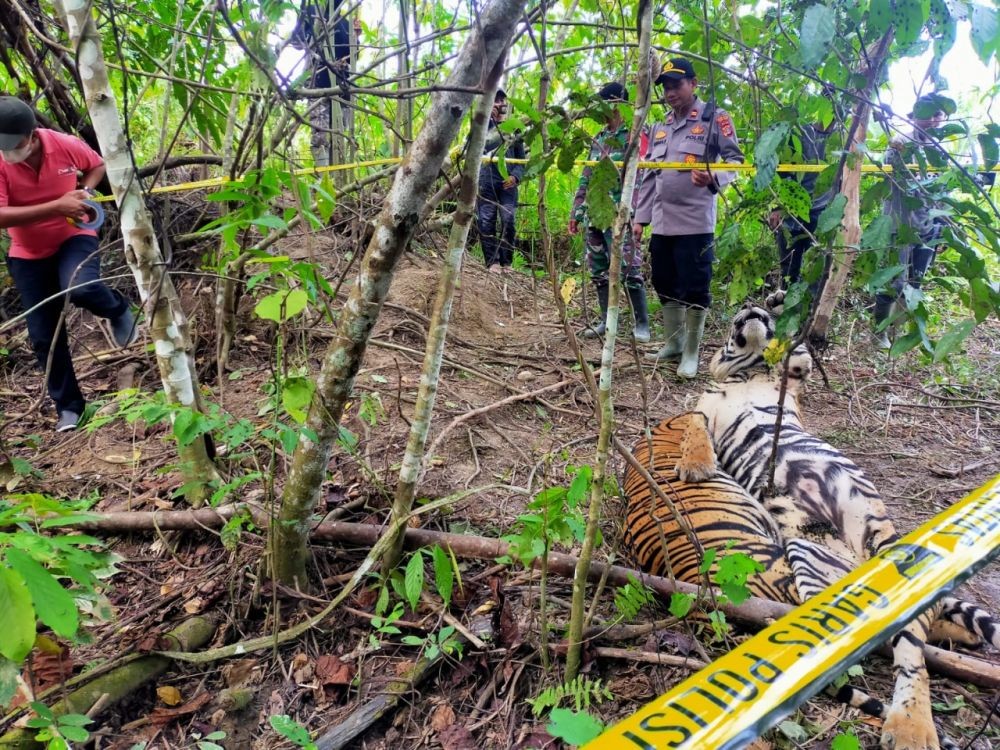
[501, 94]
[16, 122]
[613, 92]
[675, 69]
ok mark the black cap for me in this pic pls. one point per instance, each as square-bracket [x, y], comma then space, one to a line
[501, 94]
[16, 121]
[613, 92]
[674, 69]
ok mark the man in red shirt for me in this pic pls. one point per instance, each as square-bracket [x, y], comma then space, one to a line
[45, 177]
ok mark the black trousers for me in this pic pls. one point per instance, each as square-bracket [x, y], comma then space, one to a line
[682, 268]
[496, 202]
[794, 238]
[76, 262]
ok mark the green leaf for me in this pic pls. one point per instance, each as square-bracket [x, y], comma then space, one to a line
[707, 561]
[878, 234]
[845, 742]
[579, 488]
[766, 153]
[296, 395]
[53, 604]
[601, 206]
[444, 576]
[985, 29]
[818, 27]
[881, 278]
[573, 727]
[17, 616]
[953, 339]
[8, 680]
[73, 734]
[879, 16]
[793, 731]
[832, 215]
[908, 17]
[991, 153]
[413, 580]
[269, 221]
[680, 604]
[283, 305]
[795, 198]
[291, 730]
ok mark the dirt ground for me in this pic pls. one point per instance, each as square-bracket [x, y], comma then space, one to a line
[924, 438]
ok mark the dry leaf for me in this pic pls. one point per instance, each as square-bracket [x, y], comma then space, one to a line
[164, 715]
[238, 672]
[443, 717]
[760, 744]
[568, 287]
[332, 671]
[457, 737]
[194, 606]
[170, 695]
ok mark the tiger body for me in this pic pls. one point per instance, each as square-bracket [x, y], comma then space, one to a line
[819, 496]
[723, 516]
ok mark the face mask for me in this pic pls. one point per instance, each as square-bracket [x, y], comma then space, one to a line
[18, 154]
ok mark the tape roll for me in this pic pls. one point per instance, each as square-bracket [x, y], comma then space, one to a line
[97, 210]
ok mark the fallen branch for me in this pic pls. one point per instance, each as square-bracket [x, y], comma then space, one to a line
[119, 683]
[754, 611]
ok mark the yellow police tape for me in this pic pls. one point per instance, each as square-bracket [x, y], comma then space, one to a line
[736, 698]
[718, 166]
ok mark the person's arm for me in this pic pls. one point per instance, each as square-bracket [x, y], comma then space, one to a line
[516, 151]
[69, 205]
[728, 148]
[92, 178]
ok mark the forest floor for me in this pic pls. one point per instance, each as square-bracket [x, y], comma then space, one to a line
[913, 429]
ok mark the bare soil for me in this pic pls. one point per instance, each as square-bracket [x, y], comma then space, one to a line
[922, 435]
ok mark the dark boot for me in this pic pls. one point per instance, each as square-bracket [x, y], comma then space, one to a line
[881, 313]
[592, 332]
[637, 295]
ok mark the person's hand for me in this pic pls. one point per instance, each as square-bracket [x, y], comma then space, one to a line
[71, 205]
[775, 219]
[637, 233]
[574, 228]
[701, 178]
[510, 182]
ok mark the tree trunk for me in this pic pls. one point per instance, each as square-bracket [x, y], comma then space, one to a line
[120, 683]
[849, 239]
[393, 231]
[168, 324]
[622, 227]
[437, 331]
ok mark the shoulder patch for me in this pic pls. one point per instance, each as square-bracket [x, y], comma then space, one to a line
[725, 125]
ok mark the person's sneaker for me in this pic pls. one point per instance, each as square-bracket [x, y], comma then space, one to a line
[67, 421]
[123, 328]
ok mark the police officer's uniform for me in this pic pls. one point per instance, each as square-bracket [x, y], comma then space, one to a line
[683, 214]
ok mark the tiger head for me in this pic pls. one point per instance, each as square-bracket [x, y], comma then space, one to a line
[743, 354]
[752, 328]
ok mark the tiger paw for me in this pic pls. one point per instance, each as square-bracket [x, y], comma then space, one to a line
[697, 462]
[902, 731]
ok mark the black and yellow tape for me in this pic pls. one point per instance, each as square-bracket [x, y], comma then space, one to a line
[718, 166]
[736, 698]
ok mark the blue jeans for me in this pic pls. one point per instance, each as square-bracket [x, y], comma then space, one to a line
[37, 280]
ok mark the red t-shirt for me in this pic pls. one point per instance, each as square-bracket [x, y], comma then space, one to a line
[20, 185]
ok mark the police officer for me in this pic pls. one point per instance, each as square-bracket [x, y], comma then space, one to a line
[681, 206]
[611, 142]
[498, 194]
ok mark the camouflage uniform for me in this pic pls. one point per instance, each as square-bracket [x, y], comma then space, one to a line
[612, 145]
